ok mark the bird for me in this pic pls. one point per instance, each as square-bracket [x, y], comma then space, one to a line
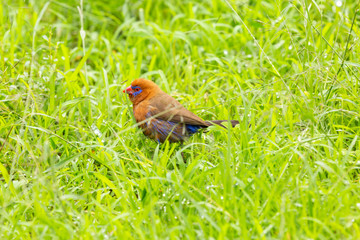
[161, 117]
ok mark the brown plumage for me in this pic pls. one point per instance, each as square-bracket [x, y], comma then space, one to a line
[163, 117]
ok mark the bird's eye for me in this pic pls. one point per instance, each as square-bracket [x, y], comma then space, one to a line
[137, 89]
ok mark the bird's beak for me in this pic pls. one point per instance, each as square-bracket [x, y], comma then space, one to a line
[128, 90]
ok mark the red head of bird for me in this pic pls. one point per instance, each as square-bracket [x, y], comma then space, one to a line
[141, 89]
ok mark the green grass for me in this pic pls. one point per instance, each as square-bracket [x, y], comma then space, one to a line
[73, 165]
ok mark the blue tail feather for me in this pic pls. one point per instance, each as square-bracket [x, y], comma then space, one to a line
[192, 128]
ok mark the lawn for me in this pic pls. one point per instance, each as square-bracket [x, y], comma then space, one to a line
[74, 165]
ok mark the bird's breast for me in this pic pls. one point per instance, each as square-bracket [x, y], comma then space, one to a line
[140, 111]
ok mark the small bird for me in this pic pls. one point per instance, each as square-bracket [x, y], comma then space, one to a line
[161, 117]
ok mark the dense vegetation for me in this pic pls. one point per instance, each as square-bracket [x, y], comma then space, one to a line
[74, 165]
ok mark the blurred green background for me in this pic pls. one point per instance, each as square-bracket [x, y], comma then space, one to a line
[73, 165]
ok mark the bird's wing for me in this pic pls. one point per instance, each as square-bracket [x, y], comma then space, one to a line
[165, 107]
